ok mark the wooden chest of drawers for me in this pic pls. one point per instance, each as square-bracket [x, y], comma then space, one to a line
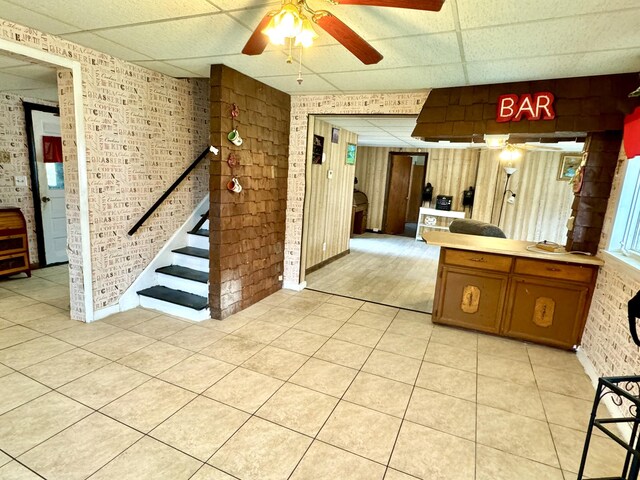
[14, 245]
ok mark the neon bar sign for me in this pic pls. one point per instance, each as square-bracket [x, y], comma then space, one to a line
[513, 108]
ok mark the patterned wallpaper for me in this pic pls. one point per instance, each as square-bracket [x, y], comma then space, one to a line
[301, 107]
[13, 140]
[142, 130]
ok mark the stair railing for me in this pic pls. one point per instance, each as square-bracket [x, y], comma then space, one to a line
[173, 186]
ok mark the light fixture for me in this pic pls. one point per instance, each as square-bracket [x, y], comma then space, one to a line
[307, 35]
[496, 141]
[510, 153]
[512, 197]
[290, 23]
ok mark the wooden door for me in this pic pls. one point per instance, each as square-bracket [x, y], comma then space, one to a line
[398, 193]
[415, 193]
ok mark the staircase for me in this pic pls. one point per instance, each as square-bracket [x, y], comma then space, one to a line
[182, 288]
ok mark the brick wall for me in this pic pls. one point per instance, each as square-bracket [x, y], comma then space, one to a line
[247, 228]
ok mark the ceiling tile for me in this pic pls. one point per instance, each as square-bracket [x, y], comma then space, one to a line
[505, 12]
[614, 61]
[8, 61]
[91, 14]
[101, 44]
[567, 35]
[25, 16]
[242, 4]
[521, 69]
[13, 82]
[288, 84]
[193, 37]
[414, 78]
[166, 68]
[50, 94]
[35, 72]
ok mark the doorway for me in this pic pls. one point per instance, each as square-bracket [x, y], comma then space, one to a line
[47, 182]
[405, 183]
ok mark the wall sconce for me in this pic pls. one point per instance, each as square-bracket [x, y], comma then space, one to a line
[496, 141]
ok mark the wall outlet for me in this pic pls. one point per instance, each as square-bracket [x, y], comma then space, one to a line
[324, 247]
[5, 156]
[279, 278]
[330, 174]
[20, 181]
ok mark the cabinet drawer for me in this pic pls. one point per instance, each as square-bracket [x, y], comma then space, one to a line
[561, 271]
[13, 263]
[13, 244]
[485, 261]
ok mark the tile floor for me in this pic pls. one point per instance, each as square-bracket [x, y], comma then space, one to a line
[302, 386]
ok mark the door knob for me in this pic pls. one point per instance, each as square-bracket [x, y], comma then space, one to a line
[45, 199]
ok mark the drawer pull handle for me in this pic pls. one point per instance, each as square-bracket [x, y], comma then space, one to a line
[553, 269]
[481, 260]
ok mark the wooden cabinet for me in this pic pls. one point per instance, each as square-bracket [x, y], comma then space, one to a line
[14, 246]
[543, 301]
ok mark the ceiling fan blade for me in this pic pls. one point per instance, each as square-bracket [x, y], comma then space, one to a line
[258, 41]
[430, 5]
[347, 37]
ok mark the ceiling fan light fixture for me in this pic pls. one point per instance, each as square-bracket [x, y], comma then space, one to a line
[510, 153]
[307, 35]
[287, 23]
[496, 141]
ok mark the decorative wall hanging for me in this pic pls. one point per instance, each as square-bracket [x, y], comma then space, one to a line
[335, 135]
[233, 185]
[351, 154]
[318, 150]
[569, 163]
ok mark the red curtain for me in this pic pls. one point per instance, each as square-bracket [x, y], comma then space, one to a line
[52, 149]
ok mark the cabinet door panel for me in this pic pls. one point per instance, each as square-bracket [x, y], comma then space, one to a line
[547, 312]
[472, 299]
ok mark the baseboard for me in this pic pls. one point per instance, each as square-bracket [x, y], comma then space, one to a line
[613, 409]
[326, 262]
[105, 312]
[289, 285]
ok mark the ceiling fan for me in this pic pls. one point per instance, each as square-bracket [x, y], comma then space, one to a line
[292, 14]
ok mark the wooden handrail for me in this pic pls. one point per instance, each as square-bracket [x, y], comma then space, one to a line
[164, 196]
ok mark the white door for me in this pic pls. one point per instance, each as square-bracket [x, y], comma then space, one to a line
[51, 182]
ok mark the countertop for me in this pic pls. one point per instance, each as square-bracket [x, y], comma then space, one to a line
[503, 246]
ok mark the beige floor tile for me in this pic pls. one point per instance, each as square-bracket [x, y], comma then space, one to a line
[451, 381]
[299, 341]
[104, 385]
[325, 462]
[61, 303]
[414, 316]
[207, 472]
[298, 408]
[564, 382]
[32, 423]
[357, 334]
[155, 358]
[131, 318]
[403, 345]
[319, 325]
[257, 309]
[335, 312]
[442, 412]
[520, 399]
[343, 353]
[119, 344]
[282, 316]
[455, 337]
[516, 434]
[380, 309]
[503, 347]
[80, 450]
[14, 471]
[390, 365]
[275, 362]
[49, 293]
[261, 450]
[493, 464]
[149, 459]
[371, 320]
[345, 301]
[397, 475]
[50, 324]
[4, 370]
[276, 298]
[65, 368]
[361, 431]
[201, 427]
[17, 334]
[194, 338]
[13, 301]
[378, 393]
[314, 295]
[17, 389]
[506, 369]
[259, 331]
[229, 324]
[196, 373]
[569, 411]
[605, 458]
[554, 358]
[160, 327]
[411, 328]
[84, 333]
[244, 389]
[33, 351]
[4, 459]
[324, 377]
[232, 349]
[429, 454]
[32, 312]
[6, 324]
[148, 405]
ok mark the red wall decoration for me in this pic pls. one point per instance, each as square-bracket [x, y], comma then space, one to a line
[539, 106]
[632, 134]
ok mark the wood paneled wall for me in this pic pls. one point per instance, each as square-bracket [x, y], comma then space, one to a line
[329, 202]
